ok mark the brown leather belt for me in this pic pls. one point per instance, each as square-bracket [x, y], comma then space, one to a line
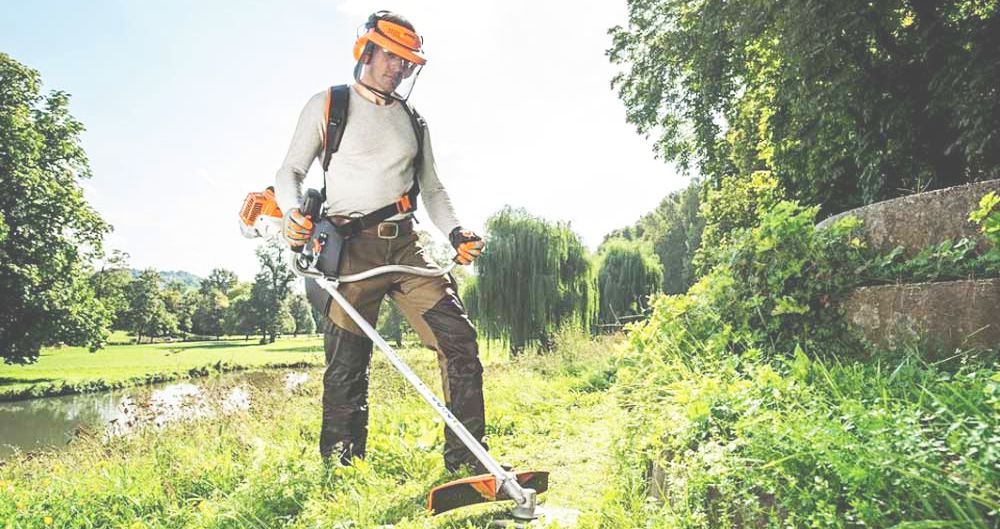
[389, 229]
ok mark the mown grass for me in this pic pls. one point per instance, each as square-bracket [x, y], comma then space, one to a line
[74, 369]
[261, 468]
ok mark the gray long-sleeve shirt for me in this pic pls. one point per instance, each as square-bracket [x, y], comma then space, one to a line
[372, 168]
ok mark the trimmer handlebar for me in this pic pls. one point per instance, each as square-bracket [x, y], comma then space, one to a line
[302, 269]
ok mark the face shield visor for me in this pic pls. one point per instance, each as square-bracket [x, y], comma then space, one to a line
[389, 60]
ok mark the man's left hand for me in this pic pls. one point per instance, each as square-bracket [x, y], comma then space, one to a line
[468, 244]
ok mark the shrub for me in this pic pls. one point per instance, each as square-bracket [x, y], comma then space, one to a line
[737, 203]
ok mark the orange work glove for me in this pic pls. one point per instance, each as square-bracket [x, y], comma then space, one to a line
[297, 228]
[468, 244]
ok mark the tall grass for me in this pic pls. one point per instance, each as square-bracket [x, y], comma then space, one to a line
[260, 468]
[810, 443]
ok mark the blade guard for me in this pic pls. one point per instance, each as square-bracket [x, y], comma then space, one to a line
[480, 489]
[260, 215]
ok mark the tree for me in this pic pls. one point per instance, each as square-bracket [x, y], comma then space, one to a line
[219, 279]
[628, 273]
[737, 203]
[534, 277]
[320, 320]
[49, 234]
[271, 287]
[674, 229]
[240, 317]
[392, 324]
[846, 102]
[110, 284]
[147, 314]
[180, 301]
[301, 314]
[212, 301]
[210, 312]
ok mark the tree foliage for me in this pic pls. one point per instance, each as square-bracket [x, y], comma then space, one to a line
[737, 203]
[301, 314]
[628, 273]
[180, 301]
[240, 317]
[272, 285]
[210, 312]
[48, 232]
[845, 102]
[219, 279]
[674, 229]
[110, 284]
[147, 314]
[392, 325]
[535, 276]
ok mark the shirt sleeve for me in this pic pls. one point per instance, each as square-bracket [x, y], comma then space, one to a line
[306, 146]
[433, 194]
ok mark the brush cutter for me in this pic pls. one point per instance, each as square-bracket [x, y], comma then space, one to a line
[260, 217]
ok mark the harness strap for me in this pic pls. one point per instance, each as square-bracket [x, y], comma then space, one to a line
[336, 113]
[336, 117]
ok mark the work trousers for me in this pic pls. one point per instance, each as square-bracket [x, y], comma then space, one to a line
[432, 307]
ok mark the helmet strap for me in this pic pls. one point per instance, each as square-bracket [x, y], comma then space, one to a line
[385, 96]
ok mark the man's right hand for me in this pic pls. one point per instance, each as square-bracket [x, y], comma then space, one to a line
[297, 228]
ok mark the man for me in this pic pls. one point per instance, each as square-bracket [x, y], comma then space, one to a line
[383, 156]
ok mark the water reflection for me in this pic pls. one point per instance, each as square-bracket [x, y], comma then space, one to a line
[53, 421]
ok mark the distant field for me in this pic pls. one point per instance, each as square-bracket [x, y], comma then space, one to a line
[74, 369]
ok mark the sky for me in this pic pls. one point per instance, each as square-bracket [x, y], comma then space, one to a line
[190, 105]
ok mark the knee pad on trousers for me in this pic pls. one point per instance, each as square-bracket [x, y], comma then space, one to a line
[336, 337]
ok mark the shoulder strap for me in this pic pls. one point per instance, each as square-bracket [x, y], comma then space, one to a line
[336, 118]
[418, 123]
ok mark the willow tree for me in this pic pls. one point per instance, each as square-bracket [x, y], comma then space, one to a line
[628, 273]
[534, 277]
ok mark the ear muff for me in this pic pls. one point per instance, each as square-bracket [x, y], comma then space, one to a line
[363, 49]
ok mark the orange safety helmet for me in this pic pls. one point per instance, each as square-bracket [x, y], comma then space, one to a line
[396, 38]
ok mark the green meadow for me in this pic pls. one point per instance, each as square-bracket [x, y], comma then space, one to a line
[66, 370]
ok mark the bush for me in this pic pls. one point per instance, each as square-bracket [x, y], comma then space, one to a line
[774, 290]
[987, 216]
[737, 203]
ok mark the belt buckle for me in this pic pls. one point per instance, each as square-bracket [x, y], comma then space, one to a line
[395, 230]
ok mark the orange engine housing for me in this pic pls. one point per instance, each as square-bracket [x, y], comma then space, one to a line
[257, 204]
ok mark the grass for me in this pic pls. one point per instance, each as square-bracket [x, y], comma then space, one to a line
[74, 369]
[261, 468]
[892, 442]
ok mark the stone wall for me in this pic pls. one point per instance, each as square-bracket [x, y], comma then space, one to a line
[916, 221]
[951, 315]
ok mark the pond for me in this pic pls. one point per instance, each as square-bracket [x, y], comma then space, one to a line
[49, 422]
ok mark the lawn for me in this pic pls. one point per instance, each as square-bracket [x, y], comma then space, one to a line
[74, 369]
